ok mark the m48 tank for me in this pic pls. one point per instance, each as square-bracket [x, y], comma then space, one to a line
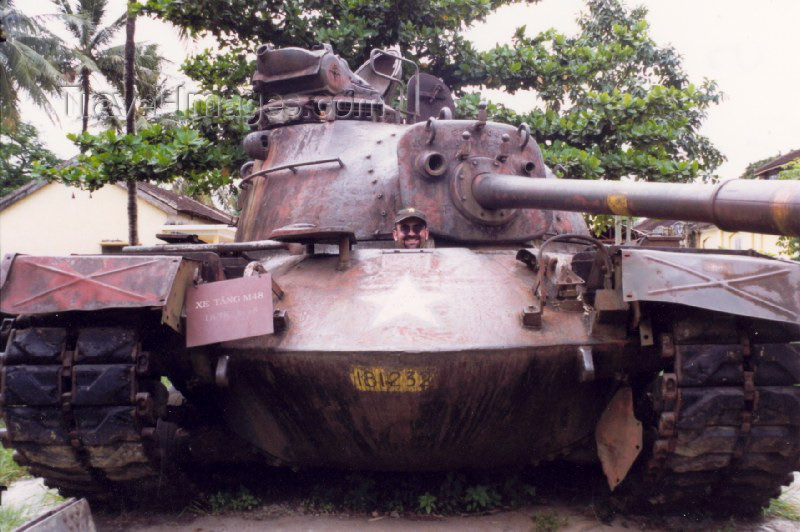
[513, 337]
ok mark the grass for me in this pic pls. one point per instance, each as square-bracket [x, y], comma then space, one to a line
[548, 522]
[9, 470]
[425, 494]
[223, 501]
[782, 509]
[15, 515]
[12, 517]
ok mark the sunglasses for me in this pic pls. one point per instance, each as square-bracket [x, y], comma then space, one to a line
[411, 228]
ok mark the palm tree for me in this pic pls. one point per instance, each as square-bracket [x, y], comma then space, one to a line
[130, 117]
[151, 88]
[93, 55]
[30, 57]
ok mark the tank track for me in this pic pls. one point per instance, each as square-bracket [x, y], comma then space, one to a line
[83, 411]
[725, 428]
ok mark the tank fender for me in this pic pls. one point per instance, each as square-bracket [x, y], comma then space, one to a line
[5, 267]
[736, 284]
[47, 285]
[619, 437]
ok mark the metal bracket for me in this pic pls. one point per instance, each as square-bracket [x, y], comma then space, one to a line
[291, 166]
[532, 315]
[280, 320]
[221, 373]
[586, 371]
[646, 333]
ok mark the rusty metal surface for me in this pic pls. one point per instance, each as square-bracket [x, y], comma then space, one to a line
[380, 175]
[361, 196]
[414, 361]
[69, 516]
[745, 286]
[433, 96]
[412, 411]
[38, 285]
[188, 272]
[229, 247]
[299, 71]
[446, 200]
[442, 299]
[5, 267]
[771, 207]
[229, 310]
[619, 437]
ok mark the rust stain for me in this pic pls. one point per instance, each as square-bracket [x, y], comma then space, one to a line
[618, 204]
[781, 210]
[619, 437]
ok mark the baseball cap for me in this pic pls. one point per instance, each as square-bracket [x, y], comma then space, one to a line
[410, 212]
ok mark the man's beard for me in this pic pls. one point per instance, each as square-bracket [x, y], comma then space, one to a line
[408, 240]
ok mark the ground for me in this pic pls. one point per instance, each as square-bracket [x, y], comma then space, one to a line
[554, 513]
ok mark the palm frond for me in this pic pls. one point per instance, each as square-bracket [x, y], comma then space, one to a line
[24, 63]
[95, 9]
[112, 113]
[76, 23]
[85, 61]
[102, 37]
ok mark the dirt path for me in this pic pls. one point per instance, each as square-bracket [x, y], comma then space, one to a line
[550, 517]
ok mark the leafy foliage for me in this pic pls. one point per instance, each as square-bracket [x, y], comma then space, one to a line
[200, 147]
[427, 503]
[430, 32]
[612, 102]
[548, 522]
[91, 55]
[448, 493]
[240, 501]
[19, 148]
[30, 62]
[790, 245]
[749, 171]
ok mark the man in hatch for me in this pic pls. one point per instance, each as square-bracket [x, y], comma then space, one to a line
[410, 229]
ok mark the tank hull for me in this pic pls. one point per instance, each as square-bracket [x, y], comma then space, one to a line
[415, 361]
[481, 409]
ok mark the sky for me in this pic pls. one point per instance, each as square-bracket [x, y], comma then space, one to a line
[748, 48]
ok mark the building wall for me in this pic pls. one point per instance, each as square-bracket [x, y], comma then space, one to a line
[59, 220]
[714, 238]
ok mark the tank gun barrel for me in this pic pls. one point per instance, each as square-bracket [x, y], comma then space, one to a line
[770, 207]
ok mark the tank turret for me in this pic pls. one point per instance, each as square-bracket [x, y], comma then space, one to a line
[479, 181]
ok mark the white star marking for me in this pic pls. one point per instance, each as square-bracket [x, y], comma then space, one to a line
[405, 299]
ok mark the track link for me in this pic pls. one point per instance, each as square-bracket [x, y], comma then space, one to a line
[725, 427]
[83, 412]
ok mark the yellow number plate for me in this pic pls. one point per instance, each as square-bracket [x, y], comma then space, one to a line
[391, 380]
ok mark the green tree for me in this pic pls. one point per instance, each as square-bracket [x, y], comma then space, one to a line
[790, 245]
[613, 102]
[30, 58]
[92, 55]
[196, 148]
[19, 148]
[430, 32]
[749, 171]
[155, 153]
